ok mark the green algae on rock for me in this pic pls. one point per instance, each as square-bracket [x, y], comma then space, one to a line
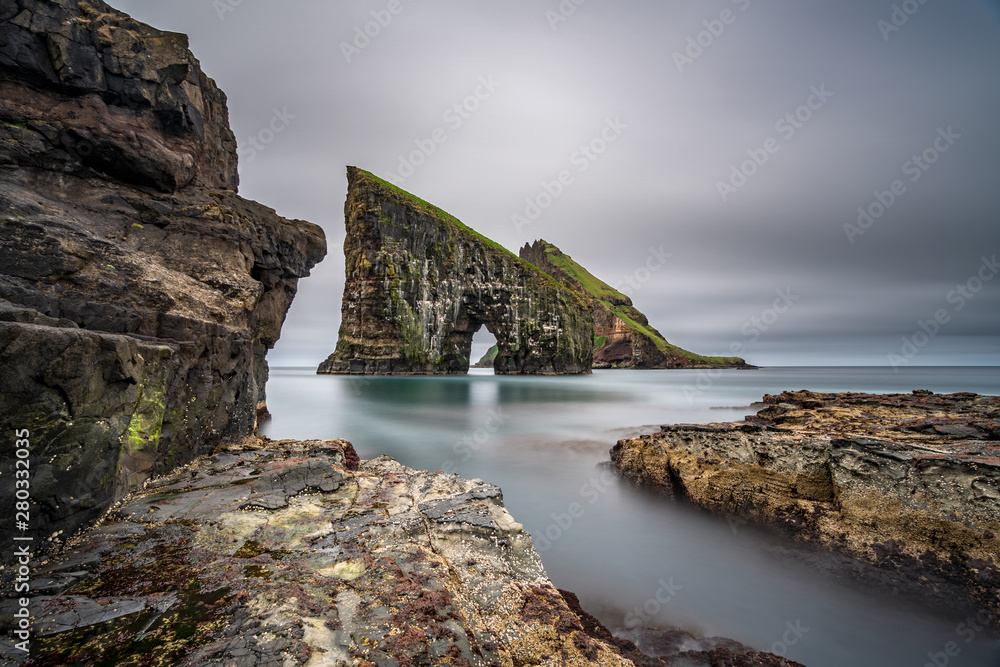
[420, 284]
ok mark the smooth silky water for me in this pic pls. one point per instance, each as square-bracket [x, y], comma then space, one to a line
[629, 556]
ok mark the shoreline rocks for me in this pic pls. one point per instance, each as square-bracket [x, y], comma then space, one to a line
[296, 553]
[281, 553]
[902, 490]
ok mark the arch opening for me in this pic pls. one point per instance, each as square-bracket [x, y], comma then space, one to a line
[484, 348]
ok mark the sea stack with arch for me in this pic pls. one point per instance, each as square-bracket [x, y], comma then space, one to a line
[420, 284]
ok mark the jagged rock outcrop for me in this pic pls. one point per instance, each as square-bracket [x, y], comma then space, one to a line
[84, 89]
[905, 489]
[420, 284]
[138, 293]
[623, 337]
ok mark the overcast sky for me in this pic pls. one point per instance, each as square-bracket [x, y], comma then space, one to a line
[671, 99]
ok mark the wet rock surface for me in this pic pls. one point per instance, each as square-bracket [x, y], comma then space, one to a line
[420, 284]
[901, 492]
[139, 293]
[380, 565]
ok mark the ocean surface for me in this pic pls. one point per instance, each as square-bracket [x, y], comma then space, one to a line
[630, 557]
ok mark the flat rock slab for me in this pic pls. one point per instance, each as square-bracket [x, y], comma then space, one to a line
[278, 554]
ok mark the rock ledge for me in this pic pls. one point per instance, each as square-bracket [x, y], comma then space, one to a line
[905, 488]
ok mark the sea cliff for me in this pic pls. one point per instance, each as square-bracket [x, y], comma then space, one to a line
[420, 284]
[623, 336]
[139, 293]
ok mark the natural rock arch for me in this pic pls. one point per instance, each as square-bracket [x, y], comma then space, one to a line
[420, 284]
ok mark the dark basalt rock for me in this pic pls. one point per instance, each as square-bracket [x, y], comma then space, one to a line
[138, 293]
[420, 284]
[85, 89]
[656, 647]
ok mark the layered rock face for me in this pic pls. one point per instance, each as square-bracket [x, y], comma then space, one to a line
[905, 487]
[623, 337]
[84, 89]
[138, 293]
[420, 284]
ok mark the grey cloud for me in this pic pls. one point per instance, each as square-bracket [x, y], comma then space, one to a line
[658, 183]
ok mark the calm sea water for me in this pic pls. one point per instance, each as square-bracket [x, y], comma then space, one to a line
[633, 558]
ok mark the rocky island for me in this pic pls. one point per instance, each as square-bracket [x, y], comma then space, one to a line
[420, 284]
[623, 336]
[901, 492]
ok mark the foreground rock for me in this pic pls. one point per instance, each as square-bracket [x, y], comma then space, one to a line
[420, 284]
[138, 293]
[902, 490]
[294, 554]
[623, 336]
